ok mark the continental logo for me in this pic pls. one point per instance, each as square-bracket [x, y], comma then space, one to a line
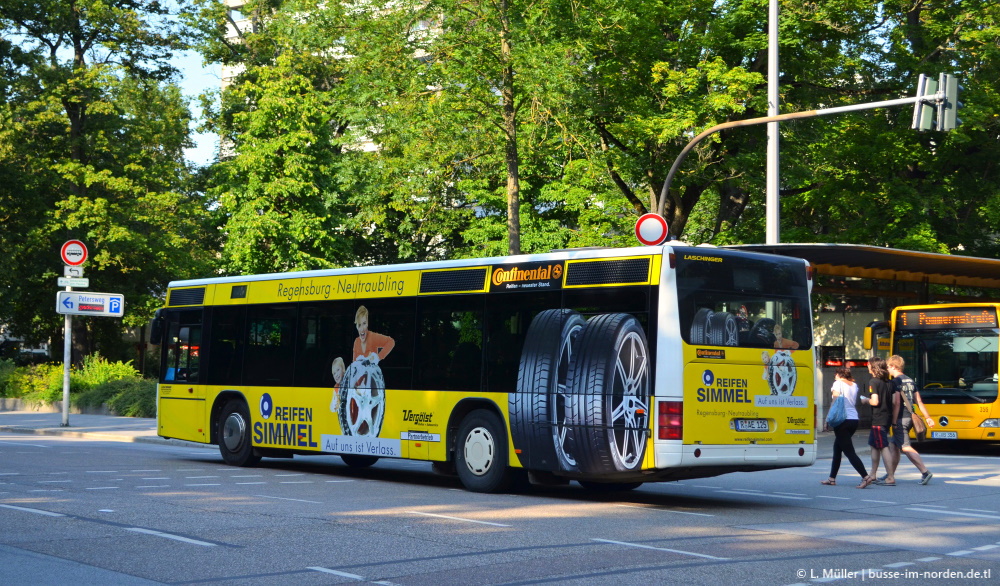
[704, 258]
[517, 275]
[707, 353]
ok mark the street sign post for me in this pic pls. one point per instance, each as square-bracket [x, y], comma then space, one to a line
[84, 303]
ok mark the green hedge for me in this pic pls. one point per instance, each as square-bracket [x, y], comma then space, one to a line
[97, 382]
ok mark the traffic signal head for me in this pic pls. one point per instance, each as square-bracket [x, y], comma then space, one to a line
[947, 118]
[923, 111]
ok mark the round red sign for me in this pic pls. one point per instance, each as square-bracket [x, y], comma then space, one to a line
[651, 229]
[73, 253]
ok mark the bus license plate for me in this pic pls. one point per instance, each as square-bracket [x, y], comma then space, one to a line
[944, 435]
[751, 425]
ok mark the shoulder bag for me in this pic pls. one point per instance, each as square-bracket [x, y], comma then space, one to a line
[919, 427]
[838, 413]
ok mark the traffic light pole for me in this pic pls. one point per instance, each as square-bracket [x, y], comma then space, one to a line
[780, 118]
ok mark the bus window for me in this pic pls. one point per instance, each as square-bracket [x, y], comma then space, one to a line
[183, 348]
[450, 347]
[225, 346]
[270, 345]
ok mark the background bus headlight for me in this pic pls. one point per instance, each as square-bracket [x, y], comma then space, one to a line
[990, 423]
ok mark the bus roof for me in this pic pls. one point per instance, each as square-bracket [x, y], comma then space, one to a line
[876, 262]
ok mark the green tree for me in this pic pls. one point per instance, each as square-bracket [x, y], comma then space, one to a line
[92, 139]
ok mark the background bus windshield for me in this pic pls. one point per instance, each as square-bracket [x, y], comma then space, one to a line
[951, 366]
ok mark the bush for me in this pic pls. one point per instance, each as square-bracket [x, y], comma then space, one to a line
[135, 398]
[37, 384]
[97, 370]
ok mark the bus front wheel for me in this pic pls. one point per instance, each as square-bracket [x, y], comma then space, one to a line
[481, 458]
[234, 435]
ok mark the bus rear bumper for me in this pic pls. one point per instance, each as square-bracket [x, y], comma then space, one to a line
[675, 454]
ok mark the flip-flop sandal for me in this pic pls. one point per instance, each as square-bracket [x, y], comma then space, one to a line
[888, 484]
[865, 482]
[829, 482]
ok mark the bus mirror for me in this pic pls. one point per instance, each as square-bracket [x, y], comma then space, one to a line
[867, 342]
[877, 336]
[156, 328]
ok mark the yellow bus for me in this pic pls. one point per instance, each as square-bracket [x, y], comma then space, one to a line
[951, 354]
[611, 367]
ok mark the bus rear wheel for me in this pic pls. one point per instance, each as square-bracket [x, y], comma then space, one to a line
[355, 461]
[481, 458]
[234, 435]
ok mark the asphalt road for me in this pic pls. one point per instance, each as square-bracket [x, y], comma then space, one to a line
[75, 510]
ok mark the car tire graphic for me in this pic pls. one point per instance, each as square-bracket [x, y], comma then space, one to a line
[481, 453]
[723, 330]
[610, 378]
[700, 326]
[234, 434]
[540, 408]
[362, 399]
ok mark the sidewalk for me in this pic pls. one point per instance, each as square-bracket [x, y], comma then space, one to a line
[96, 427]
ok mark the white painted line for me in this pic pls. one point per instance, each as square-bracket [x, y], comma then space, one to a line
[296, 474]
[145, 471]
[27, 445]
[958, 553]
[880, 502]
[10, 473]
[944, 512]
[157, 478]
[977, 511]
[759, 493]
[251, 483]
[700, 555]
[46, 490]
[665, 510]
[53, 481]
[102, 488]
[839, 498]
[102, 472]
[930, 559]
[246, 475]
[295, 481]
[747, 490]
[198, 477]
[705, 486]
[171, 536]
[336, 573]
[339, 481]
[900, 565]
[985, 547]
[457, 519]
[205, 484]
[153, 486]
[936, 506]
[105, 511]
[284, 499]
[792, 493]
[35, 511]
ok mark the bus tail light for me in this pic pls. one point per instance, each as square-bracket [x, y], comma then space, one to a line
[670, 420]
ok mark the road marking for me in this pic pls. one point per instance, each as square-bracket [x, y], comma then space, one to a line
[639, 545]
[101, 487]
[26, 445]
[745, 492]
[946, 512]
[958, 553]
[102, 472]
[879, 502]
[284, 499]
[205, 484]
[839, 498]
[900, 565]
[251, 483]
[10, 473]
[458, 519]
[138, 471]
[665, 510]
[976, 510]
[340, 481]
[985, 547]
[792, 493]
[246, 475]
[198, 477]
[296, 474]
[930, 559]
[153, 486]
[336, 573]
[35, 511]
[52, 481]
[157, 478]
[295, 482]
[171, 536]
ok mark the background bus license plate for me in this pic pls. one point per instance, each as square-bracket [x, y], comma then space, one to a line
[944, 435]
[751, 425]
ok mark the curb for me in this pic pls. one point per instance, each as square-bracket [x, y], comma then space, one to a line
[103, 436]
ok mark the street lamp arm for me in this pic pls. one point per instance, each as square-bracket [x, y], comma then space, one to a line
[764, 120]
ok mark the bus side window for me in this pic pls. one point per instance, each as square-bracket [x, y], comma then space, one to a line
[183, 348]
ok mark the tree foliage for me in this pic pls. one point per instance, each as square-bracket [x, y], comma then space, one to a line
[91, 148]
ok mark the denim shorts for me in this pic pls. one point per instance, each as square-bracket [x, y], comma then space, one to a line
[901, 432]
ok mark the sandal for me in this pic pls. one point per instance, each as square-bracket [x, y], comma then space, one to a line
[866, 482]
[893, 483]
[829, 482]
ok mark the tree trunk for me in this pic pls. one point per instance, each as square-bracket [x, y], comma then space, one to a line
[510, 135]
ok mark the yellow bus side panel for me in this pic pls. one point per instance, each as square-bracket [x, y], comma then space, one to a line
[731, 394]
[182, 418]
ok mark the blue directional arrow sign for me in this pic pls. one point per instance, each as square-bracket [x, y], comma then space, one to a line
[85, 303]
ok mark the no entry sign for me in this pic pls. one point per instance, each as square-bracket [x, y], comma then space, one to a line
[73, 253]
[651, 229]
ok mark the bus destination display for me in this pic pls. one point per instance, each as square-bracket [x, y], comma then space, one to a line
[946, 318]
